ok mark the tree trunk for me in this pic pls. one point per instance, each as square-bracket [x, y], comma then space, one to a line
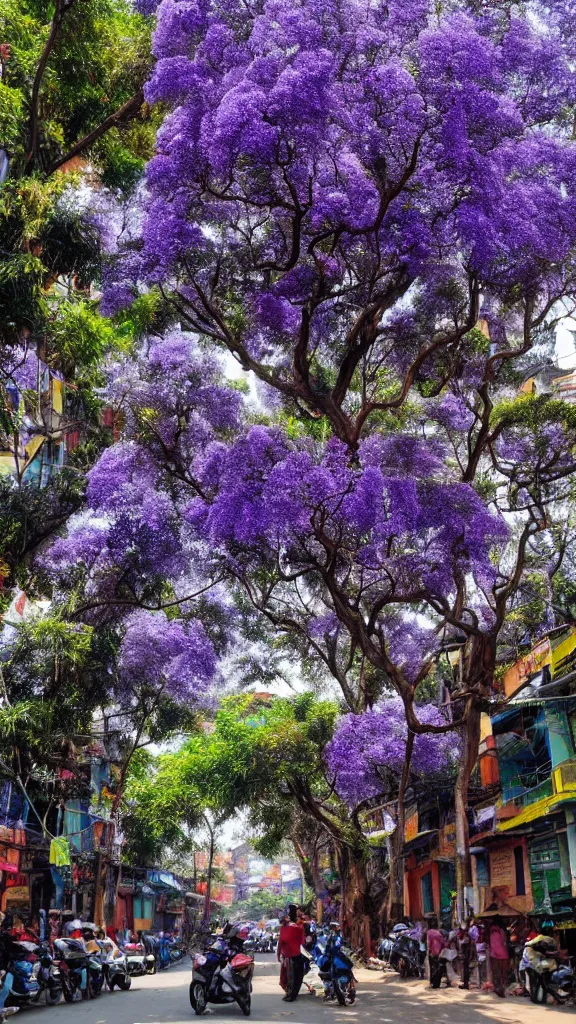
[470, 739]
[477, 683]
[395, 901]
[305, 864]
[208, 897]
[355, 912]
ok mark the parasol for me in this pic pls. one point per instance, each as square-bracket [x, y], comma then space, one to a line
[504, 911]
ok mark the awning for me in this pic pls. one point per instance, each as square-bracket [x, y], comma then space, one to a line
[5, 865]
[420, 840]
[540, 809]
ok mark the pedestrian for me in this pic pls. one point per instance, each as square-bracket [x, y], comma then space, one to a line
[499, 955]
[436, 966]
[290, 956]
[464, 942]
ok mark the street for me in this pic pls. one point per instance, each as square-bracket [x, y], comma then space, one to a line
[163, 999]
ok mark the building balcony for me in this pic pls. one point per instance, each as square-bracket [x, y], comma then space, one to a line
[540, 800]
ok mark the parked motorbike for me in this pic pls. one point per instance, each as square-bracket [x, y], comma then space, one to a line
[20, 970]
[81, 972]
[543, 975]
[385, 950]
[138, 961]
[336, 971]
[222, 974]
[49, 977]
[114, 966]
[406, 957]
[29, 971]
[177, 953]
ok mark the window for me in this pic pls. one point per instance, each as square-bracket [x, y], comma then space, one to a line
[482, 871]
[428, 818]
[519, 869]
[427, 895]
[142, 908]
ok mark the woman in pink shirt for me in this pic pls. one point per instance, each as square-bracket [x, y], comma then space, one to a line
[499, 955]
[436, 966]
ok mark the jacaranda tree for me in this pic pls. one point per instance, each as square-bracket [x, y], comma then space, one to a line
[372, 209]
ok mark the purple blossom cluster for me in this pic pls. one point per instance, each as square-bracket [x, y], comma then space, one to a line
[419, 143]
[146, 6]
[167, 656]
[21, 367]
[368, 749]
[406, 527]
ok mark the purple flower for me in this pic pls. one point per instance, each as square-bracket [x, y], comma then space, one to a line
[369, 748]
[167, 655]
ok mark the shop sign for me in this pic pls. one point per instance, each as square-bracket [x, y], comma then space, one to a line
[18, 894]
[411, 825]
[447, 844]
[502, 871]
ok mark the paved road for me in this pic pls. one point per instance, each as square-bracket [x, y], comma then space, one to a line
[163, 999]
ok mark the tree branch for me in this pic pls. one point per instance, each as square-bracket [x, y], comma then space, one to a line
[127, 112]
[62, 9]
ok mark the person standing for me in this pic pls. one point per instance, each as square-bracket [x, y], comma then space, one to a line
[436, 966]
[464, 941]
[289, 943]
[499, 955]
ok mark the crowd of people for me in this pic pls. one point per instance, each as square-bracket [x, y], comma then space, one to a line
[485, 952]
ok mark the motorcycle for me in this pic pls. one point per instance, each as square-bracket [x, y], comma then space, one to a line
[29, 971]
[385, 950]
[20, 970]
[177, 953]
[138, 962]
[406, 957]
[114, 966]
[49, 977]
[543, 975]
[81, 972]
[336, 971]
[222, 974]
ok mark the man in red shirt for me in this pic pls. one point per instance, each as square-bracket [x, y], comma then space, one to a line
[290, 940]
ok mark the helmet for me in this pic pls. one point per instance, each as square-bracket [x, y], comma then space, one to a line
[334, 926]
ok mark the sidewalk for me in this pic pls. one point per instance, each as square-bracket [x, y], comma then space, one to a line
[455, 1006]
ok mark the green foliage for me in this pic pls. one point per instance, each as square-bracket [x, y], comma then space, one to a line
[43, 239]
[533, 412]
[99, 60]
[80, 335]
[28, 516]
[11, 115]
[260, 904]
[263, 756]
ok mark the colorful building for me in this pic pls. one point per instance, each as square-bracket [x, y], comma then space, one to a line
[522, 815]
